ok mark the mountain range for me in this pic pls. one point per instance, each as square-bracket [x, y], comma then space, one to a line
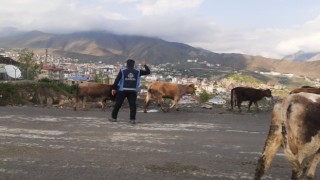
[93, 46]
[303, 56]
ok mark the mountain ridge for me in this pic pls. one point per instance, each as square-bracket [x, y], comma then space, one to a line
[111, 48]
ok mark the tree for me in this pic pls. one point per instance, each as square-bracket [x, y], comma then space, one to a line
[28, 64]
[98, 77]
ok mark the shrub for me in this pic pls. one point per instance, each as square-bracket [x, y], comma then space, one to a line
[70, 89]
[57, 86]
[204, 96]
[46, 80]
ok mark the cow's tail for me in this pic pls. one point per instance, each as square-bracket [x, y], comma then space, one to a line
[286, 110]
[231, 100]
[148, 98]
[112, 97]
[150, 90]
[77, 90]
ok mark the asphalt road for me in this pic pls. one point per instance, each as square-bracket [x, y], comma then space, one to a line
[50, 143]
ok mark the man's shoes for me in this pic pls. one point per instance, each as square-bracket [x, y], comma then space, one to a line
[132, 122]
[112, 120]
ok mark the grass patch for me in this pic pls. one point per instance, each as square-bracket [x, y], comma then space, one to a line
[33, 92]
[243, 78]
[9, 95]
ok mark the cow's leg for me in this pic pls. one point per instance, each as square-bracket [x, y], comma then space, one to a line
[299, 169]
[257, 107]
[159, 102]
[312, 169]
[295, 171]
[175, 104]
[304, 166]
[81, 98]
[84, 101]
[103, 103]
[235, 102]
[272, 144]
[147, 102]
[239, 104]
[232, 99]
[249, 105]
[75, 103]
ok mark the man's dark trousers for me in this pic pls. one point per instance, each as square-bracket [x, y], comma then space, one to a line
[120, 96]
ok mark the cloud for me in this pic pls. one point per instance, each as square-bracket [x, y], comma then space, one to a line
[119, 1]
[160, 7]
[305, 37]
[178, 29]
[309, 43]
[267, 42]
[29, 6]
[55, 15]
[174, 21]
[23, 12]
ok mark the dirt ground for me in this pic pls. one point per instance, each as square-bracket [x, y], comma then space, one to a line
[193, 143]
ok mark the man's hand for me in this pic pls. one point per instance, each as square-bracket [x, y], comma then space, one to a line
[144, 62]
[113, 92]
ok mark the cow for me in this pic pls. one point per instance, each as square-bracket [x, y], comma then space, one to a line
[295, 126]
[240, 94]
[172, 91]
[93, 90]
[307, 87]
[308, 90]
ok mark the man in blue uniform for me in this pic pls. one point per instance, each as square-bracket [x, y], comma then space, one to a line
[127, 83]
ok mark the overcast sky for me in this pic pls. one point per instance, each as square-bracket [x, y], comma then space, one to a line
[270, 28]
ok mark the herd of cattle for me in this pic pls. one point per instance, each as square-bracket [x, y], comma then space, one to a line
[295, 124]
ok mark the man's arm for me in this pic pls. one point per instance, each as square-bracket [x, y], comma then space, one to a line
[145, 72]
[116, 81]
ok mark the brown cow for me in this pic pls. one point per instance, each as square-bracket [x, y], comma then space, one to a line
[308, 90]
[173, 91]
[93, 90]
[240, 94]
[295, 126]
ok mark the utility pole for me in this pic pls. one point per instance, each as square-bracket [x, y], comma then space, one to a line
[46, 59]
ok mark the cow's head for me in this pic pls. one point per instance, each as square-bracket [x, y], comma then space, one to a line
[267, 93]
[191, 89]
